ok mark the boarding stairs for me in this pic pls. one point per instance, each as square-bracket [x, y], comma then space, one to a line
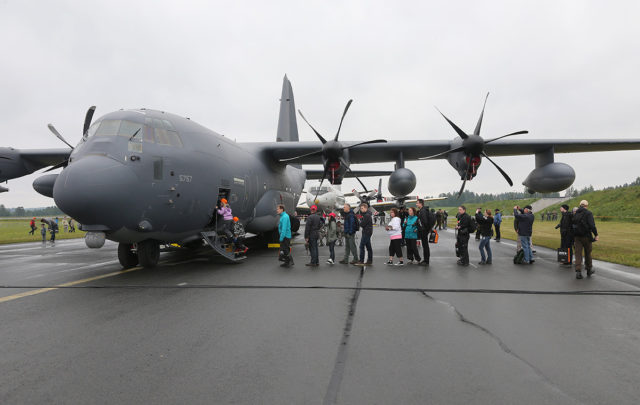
[224, 249]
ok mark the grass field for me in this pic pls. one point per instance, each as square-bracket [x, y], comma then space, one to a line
[619, 241]
[609, 205]
[17, 230]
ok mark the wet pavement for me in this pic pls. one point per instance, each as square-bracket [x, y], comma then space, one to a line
[77, 329]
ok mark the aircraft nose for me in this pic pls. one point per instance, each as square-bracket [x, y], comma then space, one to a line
[95, 190]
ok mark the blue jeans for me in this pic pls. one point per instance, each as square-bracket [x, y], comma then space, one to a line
[485, 243]
[525, 241]
[332, 250]
[313, 250]
[365, 241]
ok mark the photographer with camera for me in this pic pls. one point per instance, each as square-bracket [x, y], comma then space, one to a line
[584, 232]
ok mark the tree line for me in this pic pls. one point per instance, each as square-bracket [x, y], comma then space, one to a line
[21, 212]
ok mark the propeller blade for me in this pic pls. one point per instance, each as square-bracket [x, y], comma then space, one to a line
[318, 152]
[379, 195]
[458, 130]
[357, 193]
[479, 124]
[324, 175]
[458, 149]
[56, 133]
[463, 184]
[341, 119]
[314, 130]
[365, 143]
[506, 177]
[345, 164]
[4, 157]
[59, 165]
[504, 136]
[87, 120]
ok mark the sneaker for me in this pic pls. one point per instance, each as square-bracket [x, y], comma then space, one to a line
[423, 263]
[344, 262]
[355, 261]
[390, 263]
[312, 264]
[461, 263]
[578, 275]
[488, 262]
[590, 272]
[482, 262]
[531, 261]
[400, 263]
[359, 263]
[330, 261]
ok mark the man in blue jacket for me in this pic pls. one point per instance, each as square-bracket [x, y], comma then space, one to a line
[497, 220]
[284, 229]
[350, 229]
[525, 229]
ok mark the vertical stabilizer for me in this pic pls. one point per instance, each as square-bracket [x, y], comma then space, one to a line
[287, 124]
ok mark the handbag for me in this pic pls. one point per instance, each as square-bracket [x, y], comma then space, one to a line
[564, 255]
[433, 236]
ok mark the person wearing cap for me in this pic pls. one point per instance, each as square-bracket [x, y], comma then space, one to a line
[332, 237]
[227, 217]
[312, 234]
[497, 220]
[350, 228]
[525, 230]
[32, 224]
[584, 227]
[284, 230]
[238, 236]
[566, 228]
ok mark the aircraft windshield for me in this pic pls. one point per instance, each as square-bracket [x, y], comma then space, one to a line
[323, 190]
[154, 130]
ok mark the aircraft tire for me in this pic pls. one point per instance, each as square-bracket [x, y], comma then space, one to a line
[148, 253]
[127, 258]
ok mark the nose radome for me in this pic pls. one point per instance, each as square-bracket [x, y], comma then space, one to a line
[95, 190]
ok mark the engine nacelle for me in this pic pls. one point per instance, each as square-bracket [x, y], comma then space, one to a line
[401, 182]
[550, 178]
[44, 184]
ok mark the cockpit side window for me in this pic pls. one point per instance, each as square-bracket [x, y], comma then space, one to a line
[108, 128]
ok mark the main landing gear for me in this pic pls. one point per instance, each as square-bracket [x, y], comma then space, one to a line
[145, 253]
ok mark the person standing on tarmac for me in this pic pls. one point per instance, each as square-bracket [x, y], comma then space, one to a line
[525, 230]
[332, 237]
[583, 228]
[425, 224]
[462, 238]
[312, 234]
[497, 221]
[284, 229]
[566, 227]
[43, 232]
[484, 225]
[366, 223]
[410, 226]
[394, 229]
[350, 228]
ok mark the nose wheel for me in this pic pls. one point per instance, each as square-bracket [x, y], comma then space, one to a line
[126, 255]
[148, 253]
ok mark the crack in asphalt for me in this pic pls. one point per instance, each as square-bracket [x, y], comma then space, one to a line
[504, 347]
[331, 396]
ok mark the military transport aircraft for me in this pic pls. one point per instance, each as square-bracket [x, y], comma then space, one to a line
[144, 177]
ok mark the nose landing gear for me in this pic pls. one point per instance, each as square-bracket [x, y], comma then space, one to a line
[146, 253]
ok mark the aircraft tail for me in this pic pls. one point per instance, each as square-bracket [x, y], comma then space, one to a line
[287, 124]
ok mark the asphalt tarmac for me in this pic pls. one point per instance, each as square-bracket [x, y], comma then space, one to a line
[75, 329]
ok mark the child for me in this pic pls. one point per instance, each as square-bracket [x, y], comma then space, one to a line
[43, 232]
[227, 217]
[238, 236]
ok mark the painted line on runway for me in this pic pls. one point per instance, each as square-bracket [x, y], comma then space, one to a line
[69, 284]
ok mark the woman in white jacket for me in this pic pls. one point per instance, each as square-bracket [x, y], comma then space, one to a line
[394, 229]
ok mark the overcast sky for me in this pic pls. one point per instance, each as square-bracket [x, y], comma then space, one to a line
[560, 69]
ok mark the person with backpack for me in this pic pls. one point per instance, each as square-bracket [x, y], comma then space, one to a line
[312, 234]
[410, 226]
[566, 229]
[332, 237]
[426, 221]
[465, 227]
[284, 230]
[525, 230]
[366, 223]
[584, 227]
[484, 226]
[497, 221]
[350, 228]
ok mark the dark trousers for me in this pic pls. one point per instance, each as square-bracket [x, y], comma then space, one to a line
[33, 229]
[313, 250]
[332, 250]
[463, 247]
[365, 241]
[583, 242]
[566, 240]
[395, 248]
[497, 227]
[285, 247]
[412, 249]
[426, 253]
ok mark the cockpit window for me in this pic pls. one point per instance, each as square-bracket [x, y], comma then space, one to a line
[129, 128]
[323, 190]
[92, 129]
[108, 128]
[153, 130]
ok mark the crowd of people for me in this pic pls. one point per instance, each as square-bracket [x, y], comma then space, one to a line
[51, 226]
[413, 227]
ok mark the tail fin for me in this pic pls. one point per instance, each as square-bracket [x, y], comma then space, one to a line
[287, 124]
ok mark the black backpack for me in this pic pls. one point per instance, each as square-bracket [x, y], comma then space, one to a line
[580, 226]
[473, 225]
[519, 257]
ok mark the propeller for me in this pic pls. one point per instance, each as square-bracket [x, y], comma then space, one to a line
[375, 194]
[473, 146]
[332, 150]
[85, 129]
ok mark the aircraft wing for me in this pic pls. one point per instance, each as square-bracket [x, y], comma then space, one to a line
[317, 174]
[20, 162]
[413, 150]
